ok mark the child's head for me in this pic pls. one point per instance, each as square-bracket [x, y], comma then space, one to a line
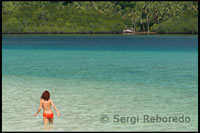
[45, 95]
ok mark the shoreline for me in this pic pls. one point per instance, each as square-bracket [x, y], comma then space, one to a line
[128, 33]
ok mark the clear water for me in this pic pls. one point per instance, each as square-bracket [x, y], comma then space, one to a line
[93, 75]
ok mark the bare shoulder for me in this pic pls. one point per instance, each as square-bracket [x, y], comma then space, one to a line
[41, 100]
[50, 100]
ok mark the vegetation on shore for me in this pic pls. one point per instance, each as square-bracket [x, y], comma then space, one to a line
[99, 17]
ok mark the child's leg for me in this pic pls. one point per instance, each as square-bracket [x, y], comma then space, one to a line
[45, 121]
[51, 120]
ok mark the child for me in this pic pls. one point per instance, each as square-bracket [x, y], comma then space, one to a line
[46, 103]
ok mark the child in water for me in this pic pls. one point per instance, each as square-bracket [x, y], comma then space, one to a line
[46, 103]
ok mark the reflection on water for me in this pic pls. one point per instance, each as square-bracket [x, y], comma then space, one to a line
[48, 127]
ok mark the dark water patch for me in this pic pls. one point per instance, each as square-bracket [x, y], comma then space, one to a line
[101, 42]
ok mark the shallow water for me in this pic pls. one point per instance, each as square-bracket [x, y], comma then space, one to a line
[93, 75]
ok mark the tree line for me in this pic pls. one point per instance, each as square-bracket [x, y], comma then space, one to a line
[100, 16]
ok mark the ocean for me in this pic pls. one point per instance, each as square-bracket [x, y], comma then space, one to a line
[101, 82]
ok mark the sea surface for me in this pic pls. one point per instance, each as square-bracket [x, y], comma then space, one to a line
[101, 82]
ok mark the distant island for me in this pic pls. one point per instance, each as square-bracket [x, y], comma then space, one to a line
[93, 17]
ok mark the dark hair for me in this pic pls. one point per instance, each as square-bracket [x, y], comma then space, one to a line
[45, 95]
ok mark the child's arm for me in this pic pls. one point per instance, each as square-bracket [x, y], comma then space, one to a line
[39, 108]
[58, 113]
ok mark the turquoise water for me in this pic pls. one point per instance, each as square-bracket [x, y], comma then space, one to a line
[93, 75]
